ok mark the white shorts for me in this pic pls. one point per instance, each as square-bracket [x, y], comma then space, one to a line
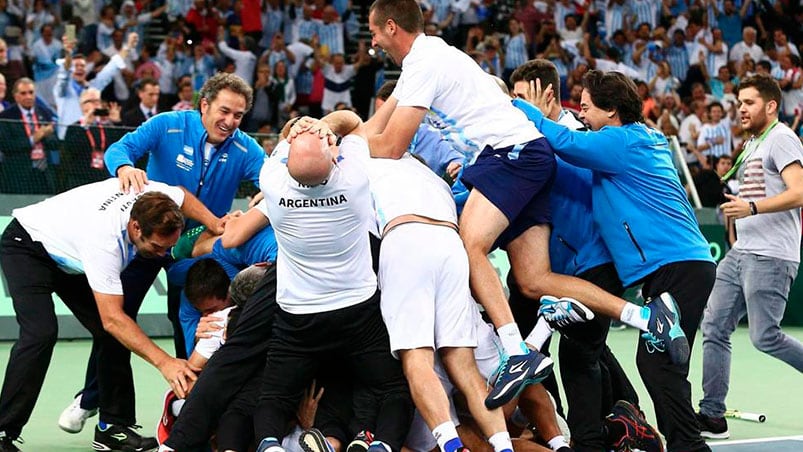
[488, 357]
[426, 300]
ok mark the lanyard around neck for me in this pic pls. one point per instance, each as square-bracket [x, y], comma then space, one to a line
[753, 144]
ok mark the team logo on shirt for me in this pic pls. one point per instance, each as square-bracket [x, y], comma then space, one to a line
[188, 150]
[184, 163]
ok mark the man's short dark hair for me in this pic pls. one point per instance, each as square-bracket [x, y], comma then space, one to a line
[157, 213]
[765, 64]
[715, 104]
[538, 68]
[386, 90]
[406, 13]
[147, 81]
[206, 278]
[766, 86]
[614, 91]
[232, 82]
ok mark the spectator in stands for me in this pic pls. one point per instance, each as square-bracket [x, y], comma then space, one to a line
[45, 51]
[244, 60]
[201, 66]
[131, 22]
[72, 80]
[715, 137]
[124, 78]
[710, 186]
[148, 94]
[515, 48]
[747, 46]
[88, 138]
[28, 143]
[13, 70]
[717, 84]
[677, 55]
[185, 95]
[664, 82]
[3, 88]
[338, 77]
[790, 78]
[203, 20]
[279, 50]
[330, 31]
[730, 21]
[86, 10]
[285, 93]
[36, 20]
[265, 97]
[689, 132]
[306, 27]
[106, 26]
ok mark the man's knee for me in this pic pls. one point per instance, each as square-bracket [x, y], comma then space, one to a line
[767, 341]
[42, 337]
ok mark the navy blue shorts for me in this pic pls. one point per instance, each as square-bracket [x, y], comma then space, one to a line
[517, 180]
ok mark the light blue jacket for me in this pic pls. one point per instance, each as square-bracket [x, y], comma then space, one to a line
[175, 143]
[639, 204]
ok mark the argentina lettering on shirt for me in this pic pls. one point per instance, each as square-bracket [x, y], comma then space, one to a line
[313, 202]
[123, 207]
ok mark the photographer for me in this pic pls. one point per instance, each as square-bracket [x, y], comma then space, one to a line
[88, 138]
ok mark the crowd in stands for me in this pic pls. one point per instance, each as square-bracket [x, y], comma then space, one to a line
[309, 56]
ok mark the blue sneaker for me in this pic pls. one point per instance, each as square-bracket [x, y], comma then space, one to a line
[313, 440]
[664, 333]
[270, 445]
[517, 372]
[560, 312]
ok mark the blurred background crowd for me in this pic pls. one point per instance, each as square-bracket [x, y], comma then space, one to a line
[78, 74]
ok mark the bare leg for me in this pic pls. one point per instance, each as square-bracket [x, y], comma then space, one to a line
[463, 372]
[425, 386]
[481, 223]
[529, 257]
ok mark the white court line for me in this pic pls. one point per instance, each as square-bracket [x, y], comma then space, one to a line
[755, 440]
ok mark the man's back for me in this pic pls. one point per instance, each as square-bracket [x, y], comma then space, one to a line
[324, 260]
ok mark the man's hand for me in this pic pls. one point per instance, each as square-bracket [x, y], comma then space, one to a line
[542, 98]
[179, 374]
[132, 178]
[43, 132]
[735, 208]
[453, 168]
[311, 125]
[132, 41]
[207, 325]
[308, 407]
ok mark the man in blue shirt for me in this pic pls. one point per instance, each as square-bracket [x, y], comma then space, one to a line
[649, 228]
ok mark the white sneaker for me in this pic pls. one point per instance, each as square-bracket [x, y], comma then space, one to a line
[74, 417]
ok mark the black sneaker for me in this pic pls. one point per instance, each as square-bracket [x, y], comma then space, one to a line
[712, 427]
[123, 439]
[636, 433]
[361, 442]
[7, 443]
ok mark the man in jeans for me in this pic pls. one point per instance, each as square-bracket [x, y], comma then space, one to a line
[754, 278]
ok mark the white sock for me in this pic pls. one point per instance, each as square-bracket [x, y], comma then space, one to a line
[176, 406]
[511, 340]
[445, 433]
[164, 448]
[557, 442]
[635, 316]
[540, 333]
[501, 441]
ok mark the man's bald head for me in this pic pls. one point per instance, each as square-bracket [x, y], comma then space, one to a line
[310, 160]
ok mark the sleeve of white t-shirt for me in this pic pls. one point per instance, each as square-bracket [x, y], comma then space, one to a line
[262, 206]
[417, 86]
[355, 147]
[785, 150]
[102, 267]
[207, 346]
[702, 135]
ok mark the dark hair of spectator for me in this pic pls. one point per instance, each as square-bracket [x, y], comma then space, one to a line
[146, 81]
[206, 278]
[715, 104]
[406, 13]
[386, 90]
[766, 86]
[157, 213]
[231, 82]
[614, 91]
[538, 69]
